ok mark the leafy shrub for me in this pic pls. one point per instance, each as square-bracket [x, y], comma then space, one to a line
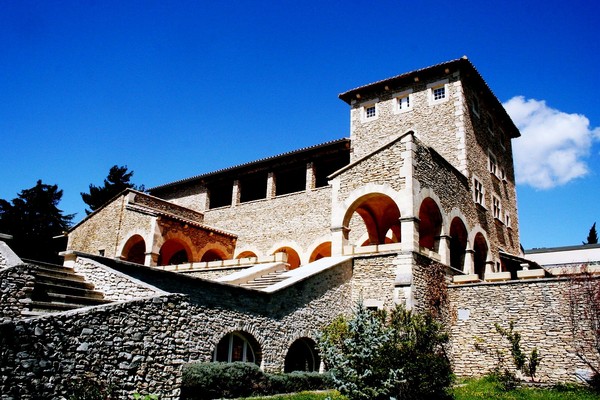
[216, 380]
[375, 356]
[297, 382]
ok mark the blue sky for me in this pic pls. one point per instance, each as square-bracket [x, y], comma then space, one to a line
[176, 88]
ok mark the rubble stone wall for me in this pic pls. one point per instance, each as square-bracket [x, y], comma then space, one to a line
[540, 311]
[14, 284]
[141, 345]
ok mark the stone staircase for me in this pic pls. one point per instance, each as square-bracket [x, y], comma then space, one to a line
[57, 289]
[266, 280]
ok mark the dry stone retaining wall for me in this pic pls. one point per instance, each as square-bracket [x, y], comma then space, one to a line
[141, 345]
[540, 311]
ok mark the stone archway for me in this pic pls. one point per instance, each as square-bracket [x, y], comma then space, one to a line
[134, 250]
[322, 250]
[213, 255]
[480, 248]
[458, 243]
[380, 216]
[174, 251]
[302, 356]
[430, 224]
[238, 346]
[293, 258]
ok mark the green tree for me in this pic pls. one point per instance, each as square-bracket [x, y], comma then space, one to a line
[34, 220]
[592, 235]
[118, 179]
[378, 355]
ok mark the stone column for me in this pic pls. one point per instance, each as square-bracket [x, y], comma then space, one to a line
[409, 227]
[310, 177]
[235, 193]
[444, 248]
[338, 240]
[469, 267]
[271, 185]
[151, 259]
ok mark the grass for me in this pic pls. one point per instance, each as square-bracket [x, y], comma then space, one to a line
[485, 388]
[489, 388]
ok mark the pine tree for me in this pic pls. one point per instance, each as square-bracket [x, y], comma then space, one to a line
[34, 220]
[118, 179]
[592, 235]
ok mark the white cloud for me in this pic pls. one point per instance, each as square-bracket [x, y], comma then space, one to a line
[553, 146]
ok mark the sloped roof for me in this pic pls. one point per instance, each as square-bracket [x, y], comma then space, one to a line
[250, 164]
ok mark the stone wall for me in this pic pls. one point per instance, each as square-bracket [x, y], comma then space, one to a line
[434, 124]
[373, 279]
[8, 258]
[540, 311]
[14, 283]
[141, 345]
[115, 285]
[296, 220]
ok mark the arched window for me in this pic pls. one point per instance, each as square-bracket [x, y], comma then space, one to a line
[134, 250]
[237, 346]
[302, 356]
[292, 256]
[380, 216]
[430, 225]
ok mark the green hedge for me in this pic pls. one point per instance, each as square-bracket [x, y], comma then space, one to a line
[230, 380]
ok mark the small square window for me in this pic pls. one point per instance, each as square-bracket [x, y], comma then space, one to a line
[439, 93]
[370, 111]
[403, 101]
[490, 124]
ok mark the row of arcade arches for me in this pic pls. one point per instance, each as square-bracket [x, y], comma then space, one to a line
[240, 346]
[293, 256]
[375, 219]
[173, 251]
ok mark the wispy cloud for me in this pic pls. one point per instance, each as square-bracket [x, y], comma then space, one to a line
[553, 146]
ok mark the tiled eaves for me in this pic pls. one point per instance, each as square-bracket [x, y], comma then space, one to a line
[258, 162]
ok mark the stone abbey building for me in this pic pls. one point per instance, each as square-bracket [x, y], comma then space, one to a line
[249, 262]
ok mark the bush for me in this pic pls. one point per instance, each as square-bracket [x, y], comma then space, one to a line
[297, 382]
[215, 380]
[375, 356]
[229, 380]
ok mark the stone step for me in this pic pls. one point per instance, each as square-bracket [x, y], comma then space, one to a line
[67, 298]
[58, 273]
[51, 306]
[63, 281]
[70, 290]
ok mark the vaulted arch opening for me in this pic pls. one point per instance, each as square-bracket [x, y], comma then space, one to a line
[173, 252]
[238, 346]
[134, 250]
[247, 254]
[380, 216]
[213, 255]
[430, 224]
[458, 243]
[322, 250]
[292, 256]
[302, 356]
[480, 249]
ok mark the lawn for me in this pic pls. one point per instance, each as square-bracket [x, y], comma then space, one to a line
[485, 388]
